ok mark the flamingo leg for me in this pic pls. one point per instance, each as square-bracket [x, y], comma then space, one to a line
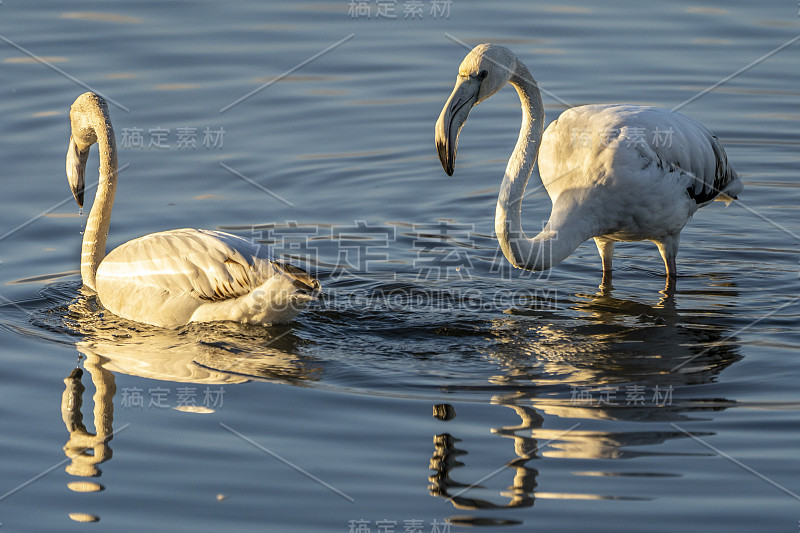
[669, 251]
[606, 248]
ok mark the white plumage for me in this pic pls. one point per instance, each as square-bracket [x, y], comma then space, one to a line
[173, 277]
[613, 172]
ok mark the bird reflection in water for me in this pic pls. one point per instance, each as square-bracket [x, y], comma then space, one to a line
[519, 494]
[86, 450]
[214, 353]
[601, 339]
[589, 341]
[211, 354]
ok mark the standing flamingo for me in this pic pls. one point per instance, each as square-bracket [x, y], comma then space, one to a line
[614, 172]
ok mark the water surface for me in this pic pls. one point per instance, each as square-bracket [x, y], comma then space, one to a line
[432, 387]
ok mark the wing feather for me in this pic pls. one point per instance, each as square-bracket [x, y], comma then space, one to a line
[688, 147]
[209, 265]
[639, 137]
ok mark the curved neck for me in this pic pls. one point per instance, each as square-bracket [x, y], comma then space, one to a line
[93, 249]
[548, 248]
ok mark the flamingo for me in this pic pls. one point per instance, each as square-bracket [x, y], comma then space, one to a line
[614, 172]
[171, 278]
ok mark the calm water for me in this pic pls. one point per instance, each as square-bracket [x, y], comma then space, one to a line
[431, 388]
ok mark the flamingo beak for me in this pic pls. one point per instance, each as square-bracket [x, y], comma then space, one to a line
[452, 119]
[76, 169]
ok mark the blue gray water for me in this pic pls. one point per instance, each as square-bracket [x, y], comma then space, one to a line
[431, 388]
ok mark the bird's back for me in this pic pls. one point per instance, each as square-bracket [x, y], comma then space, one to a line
[600, 145]
[631, 172]
[165, 278]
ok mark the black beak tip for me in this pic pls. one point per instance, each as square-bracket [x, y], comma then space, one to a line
[448, 163]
